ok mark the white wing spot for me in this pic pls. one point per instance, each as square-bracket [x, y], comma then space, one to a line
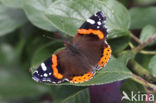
[98, 27]
[66, 79]
[99, 23]
[44, 68]
[90, 21]
[45, 74]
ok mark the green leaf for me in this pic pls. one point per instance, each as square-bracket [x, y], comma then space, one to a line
[142, 16]
[12, 3]
[8, 55]
[125, 56]
[69, 94]
[145, 2]
[34, 42]
[143, 60]
[152, 65]
[130, 86]
[147, 32]
[10, 19]
[16, 84]
[36, 13]
[43, 52]
[68, 15]
[80, 97]
[119, 44]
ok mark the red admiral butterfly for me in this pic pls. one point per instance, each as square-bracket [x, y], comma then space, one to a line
[79, 61]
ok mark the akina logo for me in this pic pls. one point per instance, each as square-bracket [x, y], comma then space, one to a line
[137, 96]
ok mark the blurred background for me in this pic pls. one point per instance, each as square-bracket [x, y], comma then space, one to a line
[22, 44]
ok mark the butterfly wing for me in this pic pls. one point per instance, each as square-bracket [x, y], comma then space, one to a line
[77, 67]
[95, 22]
[64, 65]
[91, 40]
[44, 73]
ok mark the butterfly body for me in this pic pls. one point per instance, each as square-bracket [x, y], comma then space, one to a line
[80, 60]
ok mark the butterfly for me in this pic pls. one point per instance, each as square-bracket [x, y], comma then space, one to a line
[79, 61]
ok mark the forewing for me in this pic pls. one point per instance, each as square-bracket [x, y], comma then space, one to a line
[91, 37]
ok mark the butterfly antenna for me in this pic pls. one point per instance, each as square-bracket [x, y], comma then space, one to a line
[62, 37]
[65, 39]
[56, 36]
[49, 37]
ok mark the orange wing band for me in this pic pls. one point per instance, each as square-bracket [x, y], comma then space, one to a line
[83, 78]
[56, 74]
[91, 31]
[106, 55]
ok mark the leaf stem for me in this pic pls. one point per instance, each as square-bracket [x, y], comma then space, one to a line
[141, 71]
[135, 38]
[142, 45]
[131, 45]
[148, 52]
[143, 82]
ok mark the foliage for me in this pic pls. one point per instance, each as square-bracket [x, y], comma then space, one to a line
[23, 46]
